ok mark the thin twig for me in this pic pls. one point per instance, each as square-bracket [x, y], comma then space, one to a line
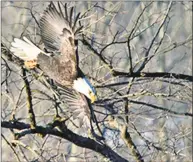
[11, 146]
[153, 40]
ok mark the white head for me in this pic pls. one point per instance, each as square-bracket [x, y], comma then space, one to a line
[82, 85]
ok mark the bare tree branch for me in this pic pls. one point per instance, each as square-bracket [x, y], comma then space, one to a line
[68, 135]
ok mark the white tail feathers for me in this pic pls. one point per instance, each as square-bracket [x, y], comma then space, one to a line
[25, 49]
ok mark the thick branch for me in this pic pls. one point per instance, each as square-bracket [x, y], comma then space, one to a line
[68, 135]
[161, 108]
[29, 99]
[155, 75]
[127, 138]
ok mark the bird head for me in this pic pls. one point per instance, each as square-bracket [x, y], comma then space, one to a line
[83, 86]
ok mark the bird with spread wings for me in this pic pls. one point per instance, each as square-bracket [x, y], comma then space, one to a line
[60, 61]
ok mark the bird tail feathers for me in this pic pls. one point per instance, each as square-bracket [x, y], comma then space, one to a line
[25, 49]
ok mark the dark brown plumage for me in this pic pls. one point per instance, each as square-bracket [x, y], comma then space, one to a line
[58, 36]
[60, 61]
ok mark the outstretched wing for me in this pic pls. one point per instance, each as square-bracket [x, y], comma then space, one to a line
[55, 29]
[78, 104]
[58, 34]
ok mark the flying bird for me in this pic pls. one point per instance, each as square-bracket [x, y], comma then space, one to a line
[60, 59]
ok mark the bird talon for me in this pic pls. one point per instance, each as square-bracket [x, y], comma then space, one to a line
[30, 64]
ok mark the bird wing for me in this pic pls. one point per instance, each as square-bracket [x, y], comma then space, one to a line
[78, 105]
[58, 34]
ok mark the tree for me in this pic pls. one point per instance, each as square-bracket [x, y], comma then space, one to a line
[138, 57]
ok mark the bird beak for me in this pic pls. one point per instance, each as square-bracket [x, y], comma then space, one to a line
[93, 98]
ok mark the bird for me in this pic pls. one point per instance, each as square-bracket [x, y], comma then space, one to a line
[60, 60]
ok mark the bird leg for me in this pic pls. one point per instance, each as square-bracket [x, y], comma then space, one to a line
[31, 64]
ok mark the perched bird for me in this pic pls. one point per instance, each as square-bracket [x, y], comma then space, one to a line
[60, 61]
